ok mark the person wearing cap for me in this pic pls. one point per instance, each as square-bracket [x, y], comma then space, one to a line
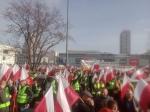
[85, 104]
[24, 96]
[5, 97]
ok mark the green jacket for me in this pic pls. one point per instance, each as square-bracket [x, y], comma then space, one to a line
[23, 96]
[5, 97]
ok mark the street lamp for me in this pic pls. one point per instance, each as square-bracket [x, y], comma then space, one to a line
[67, 61]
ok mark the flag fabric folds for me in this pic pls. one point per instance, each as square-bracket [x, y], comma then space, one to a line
[125, 86]
[142, 94]
[47, 103]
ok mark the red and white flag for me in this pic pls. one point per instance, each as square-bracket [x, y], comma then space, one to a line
[47, 103]
[85, 65]
[57, 106]
[61, 96]
[27, 67]
[66, 74]
[24, 74]
[139, 74]
[125, 86]
[71, 95]
[130, 71]
[96, 67]
[101, 75]
[5, 72]
[109, 74]
[16, 72]
[142, 94]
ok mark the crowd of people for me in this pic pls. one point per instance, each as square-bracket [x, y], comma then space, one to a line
[96, 94]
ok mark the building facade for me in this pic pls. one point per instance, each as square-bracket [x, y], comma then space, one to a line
[75, 57]
[105, 59]
[49, 58]
[125, 42]
[7, 54]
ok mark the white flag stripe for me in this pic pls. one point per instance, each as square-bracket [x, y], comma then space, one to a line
[125, 80]
[61, 97]
[15, 69]
[24, 74]
[50, 100]
[139, 89]
[4, 69]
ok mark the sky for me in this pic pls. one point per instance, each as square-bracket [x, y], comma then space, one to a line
[97, 24]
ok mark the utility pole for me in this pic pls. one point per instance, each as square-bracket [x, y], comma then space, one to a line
[67, 61]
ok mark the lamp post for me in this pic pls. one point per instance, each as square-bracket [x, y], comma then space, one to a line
[67, 61]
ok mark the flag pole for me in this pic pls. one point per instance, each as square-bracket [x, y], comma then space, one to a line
[67, 61]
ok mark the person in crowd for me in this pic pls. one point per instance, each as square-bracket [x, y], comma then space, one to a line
[36, 89]
[114, 88]
[111, 106]
[12, 88]
[129, 104]
[76, 84]
[101, 101]
[86, 104]
[5, 97]
[24, 96]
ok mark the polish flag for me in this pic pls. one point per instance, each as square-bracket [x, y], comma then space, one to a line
[65, 74]
[125, 86]
[71, 95]
[16, 72]
[68, 75]
[61, 96]
[27, 67]
[5, 72]
[142, 94]
[101, 75]
[66, 96]
[57, 106]
[24, 74]
[130, 72]
[95, 68]
[139, 74]
[109, 74]
[85, 65]
[47, 103]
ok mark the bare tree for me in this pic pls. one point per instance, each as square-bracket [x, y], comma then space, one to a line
[39, 26]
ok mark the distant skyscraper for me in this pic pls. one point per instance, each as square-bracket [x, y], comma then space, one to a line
[125, 42]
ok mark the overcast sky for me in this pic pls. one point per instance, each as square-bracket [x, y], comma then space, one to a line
[96, 24]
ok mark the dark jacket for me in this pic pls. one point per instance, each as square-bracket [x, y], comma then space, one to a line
[101, 102]
[82, 107]
[128, 106]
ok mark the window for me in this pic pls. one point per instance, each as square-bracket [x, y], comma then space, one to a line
[5, 51]
[4, 57]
